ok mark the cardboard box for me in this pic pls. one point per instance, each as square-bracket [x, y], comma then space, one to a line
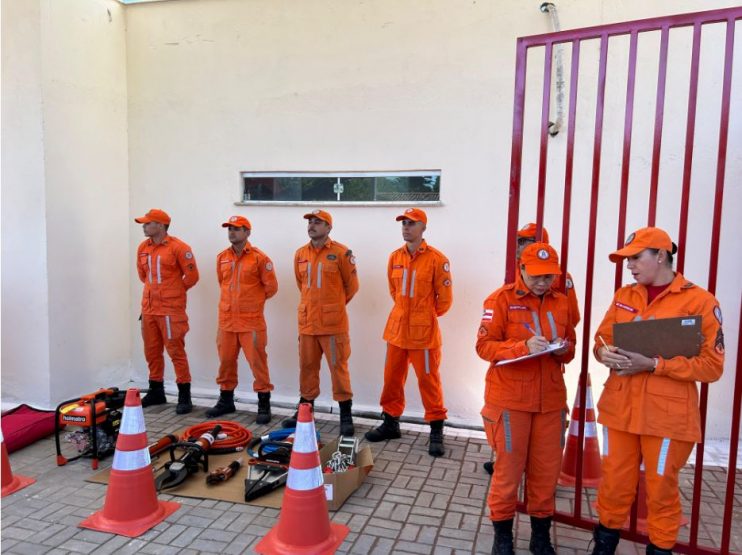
[339, 486]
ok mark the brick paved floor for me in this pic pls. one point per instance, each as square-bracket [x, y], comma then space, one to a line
[410, 503]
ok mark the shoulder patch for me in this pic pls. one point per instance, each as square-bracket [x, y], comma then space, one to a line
[446, 267]
[487, 315]
[482, 331]
[687, 285]
[331, 257]
[349, 253]
[568, 283]
[268, 266]
[447, 283]
[719, 342]
[353, 260]
[189, 255]
[626, 307]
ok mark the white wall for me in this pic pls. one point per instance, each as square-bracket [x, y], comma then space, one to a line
[65, 203]
[25, 298]
[223, 86]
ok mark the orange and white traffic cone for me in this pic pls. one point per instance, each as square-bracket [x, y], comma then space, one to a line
[11, 483]
[591, 451]
[304, 525]
[131, 507]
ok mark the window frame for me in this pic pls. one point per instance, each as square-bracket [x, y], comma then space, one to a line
[340, 175]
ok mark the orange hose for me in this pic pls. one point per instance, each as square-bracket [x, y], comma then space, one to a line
[237, 435]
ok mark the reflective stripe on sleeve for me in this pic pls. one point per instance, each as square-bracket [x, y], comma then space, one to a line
[536, 323]
[552, 325]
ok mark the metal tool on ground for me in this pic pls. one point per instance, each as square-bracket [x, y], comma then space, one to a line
[263, 478]
[344, 458]
[223, 473]
[162, 444]
[98, 416]
[195, 454]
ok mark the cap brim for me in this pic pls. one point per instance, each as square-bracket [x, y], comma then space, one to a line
[620, 254]
[543, 269]
[143, 220]
[228, 224]
[407, 217]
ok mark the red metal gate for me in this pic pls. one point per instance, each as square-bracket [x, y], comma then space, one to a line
[695, 22]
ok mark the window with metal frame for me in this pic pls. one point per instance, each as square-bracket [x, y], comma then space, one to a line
[398, 187]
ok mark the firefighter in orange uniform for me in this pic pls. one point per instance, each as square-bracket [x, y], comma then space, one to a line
[526, 402]
[246, 278]
[649, 406]
[526, 236]
[327, 280]
[420, 285]
[167, 268]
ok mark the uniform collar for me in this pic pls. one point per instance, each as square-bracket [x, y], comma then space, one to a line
[521, 289]
[421, 249]
[245, 250]
[327, 245]
[164, 241]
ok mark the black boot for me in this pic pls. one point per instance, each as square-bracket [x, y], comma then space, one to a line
[489, 467]
[184, 405]
[224, 405]
[503, 544]
[606, 540]
[346, 419]
[540, 543]
[389, 429]
[654, 550]
[264, 408]
[155, 395]
[435, 447]
[290, 422]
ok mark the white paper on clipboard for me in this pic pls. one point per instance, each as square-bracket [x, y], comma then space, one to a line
[550, 349]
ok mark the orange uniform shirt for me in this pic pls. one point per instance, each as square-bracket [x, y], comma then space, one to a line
[569, 289]
[327, 280]
[662, 403]
[536, 384]
[167, 270]
[246, 281]
[420, 285]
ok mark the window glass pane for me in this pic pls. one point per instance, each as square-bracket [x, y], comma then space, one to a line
[366, 187]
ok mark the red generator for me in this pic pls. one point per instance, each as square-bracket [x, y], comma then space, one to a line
[98, 416]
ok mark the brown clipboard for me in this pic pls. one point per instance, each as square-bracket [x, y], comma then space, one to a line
[664, 337]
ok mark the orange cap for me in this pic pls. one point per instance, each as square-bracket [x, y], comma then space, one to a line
[644, 238]
[237, 221]
[154, 215]
[413, 214]
[540, 259]
[320, 214]
[528, 231]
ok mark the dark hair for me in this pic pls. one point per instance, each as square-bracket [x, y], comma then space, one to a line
[166, 226]
[668, 253]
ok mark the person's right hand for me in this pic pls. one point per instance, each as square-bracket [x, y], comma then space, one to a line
[536, 344]
[612, 359]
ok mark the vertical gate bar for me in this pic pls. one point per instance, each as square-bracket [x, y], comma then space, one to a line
[516, 157]
[594, 189]
[714, 256]
[569, 164]
[544, 140]
[690, 134]
[659, 114]
[626, 157]
[726, 523]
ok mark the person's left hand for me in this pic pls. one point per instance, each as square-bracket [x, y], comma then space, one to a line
[564, 349]
[637, 363]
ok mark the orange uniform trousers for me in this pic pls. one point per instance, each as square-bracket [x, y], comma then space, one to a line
[166, 332]
[336, 349]
[663, 458]
[426, 363]
[529, 442]
[253, 343]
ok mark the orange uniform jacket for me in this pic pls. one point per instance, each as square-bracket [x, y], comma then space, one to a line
[663, 403]
[327, 280]
[246, 281]
[420, 286]
[167, 270]
[569, 289]
[536, 384]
